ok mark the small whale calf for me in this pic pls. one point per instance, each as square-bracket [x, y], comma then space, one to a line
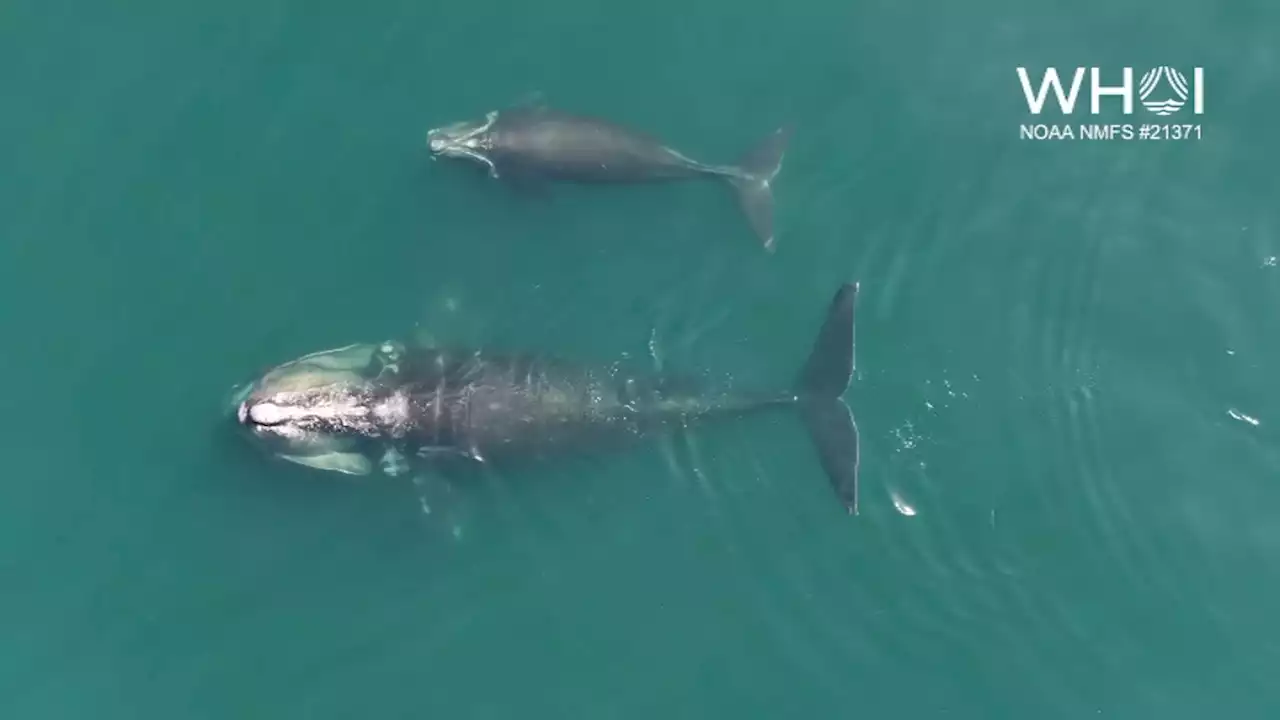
[388, 406]
[533, 142]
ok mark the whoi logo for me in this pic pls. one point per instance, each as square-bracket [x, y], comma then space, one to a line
[1177, 82]
[1162, 91]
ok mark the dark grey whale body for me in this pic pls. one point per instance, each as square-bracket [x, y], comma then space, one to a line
[355, 408]
[538, 142]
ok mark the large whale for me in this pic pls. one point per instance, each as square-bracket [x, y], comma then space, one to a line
[537, 142]
[389, 407]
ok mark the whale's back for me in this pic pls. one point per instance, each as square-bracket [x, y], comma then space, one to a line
[525, 404]
[574, 147]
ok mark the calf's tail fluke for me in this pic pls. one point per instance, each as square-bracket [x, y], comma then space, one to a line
[821, 385]
[754, 182]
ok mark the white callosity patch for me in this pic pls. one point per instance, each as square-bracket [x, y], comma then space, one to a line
[267, 414]
[393, 414]
[389, 356]
[308, 416]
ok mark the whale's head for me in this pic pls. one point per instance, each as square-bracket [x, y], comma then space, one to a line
[468, 139]
[321, 410]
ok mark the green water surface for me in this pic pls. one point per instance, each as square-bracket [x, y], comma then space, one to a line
[1070, 477]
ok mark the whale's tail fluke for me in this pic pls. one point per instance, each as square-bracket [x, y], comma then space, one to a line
[820, 386]
[754, 182]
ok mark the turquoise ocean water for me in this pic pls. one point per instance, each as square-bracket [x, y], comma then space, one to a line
[1070, 498]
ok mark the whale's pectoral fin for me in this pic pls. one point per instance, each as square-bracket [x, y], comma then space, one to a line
[449, 460]
[425, 339]
[441, 503]
[443, 478]
[525, 184]
[534, 100]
